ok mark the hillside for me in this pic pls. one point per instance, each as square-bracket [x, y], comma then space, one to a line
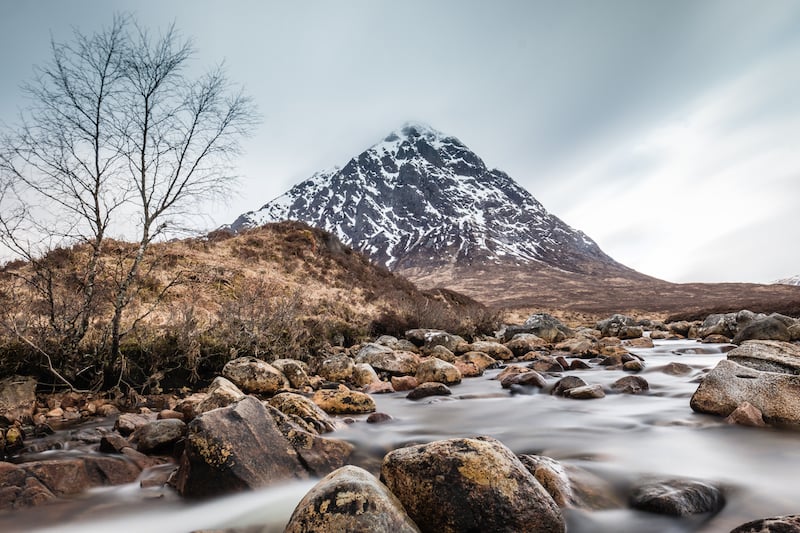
[277, 291]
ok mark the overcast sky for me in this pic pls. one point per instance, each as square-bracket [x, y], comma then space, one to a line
[668, 131]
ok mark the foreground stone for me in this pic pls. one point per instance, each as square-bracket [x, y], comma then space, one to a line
[384, 359]
[430, 388]
[350, 499]
[469, 485]
[242, 447]
[678, 497]
[730, 385]
[159, 435]
[778, 524]
[221, 393]
[769, 328]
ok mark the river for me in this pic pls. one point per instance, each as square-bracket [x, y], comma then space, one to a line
[622, 439]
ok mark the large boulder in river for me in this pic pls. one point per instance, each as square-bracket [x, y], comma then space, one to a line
[768, 356]
[17, 398]
[614, 325]
[729, 385]
[242, 447]
[159, 435]
[350, 499]
[522, 343]
[544, 326]
[769, 328]
[254, 376]
[469, 485]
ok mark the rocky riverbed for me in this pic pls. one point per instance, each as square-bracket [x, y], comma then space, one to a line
[627, 426]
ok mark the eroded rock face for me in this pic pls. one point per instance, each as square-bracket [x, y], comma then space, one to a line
[254, 376]
[350, 499]
[729, 385]
[469, 485]
[678, 497]
[244, 446]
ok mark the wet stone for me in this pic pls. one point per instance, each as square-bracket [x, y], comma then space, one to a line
[678, 497]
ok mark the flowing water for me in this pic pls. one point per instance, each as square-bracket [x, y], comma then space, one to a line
[621, 439]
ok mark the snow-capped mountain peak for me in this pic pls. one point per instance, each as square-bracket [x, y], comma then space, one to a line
[421, 199]
[792, 280]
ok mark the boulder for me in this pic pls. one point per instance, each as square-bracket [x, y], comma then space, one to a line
[578, 346]
[746, 415]
[404, 383]
[431, 388]
[630, 385]
[641, 342]
[724, 324]
[343, 401]
[495, 350]
[566, 383]
[383, 359]
[220, 393]
[587, 392]
[678, 497]
[547, 327]
[303, 412]
[523, 343]
[435, 369]
[613, 325]
[442, 353]
[531, 378]
[768, 356]
[350, 499]
[546, 363]
[17, 399]
[680, 328]
[552, 476]
[769, 328]
[159, 435]
[337, 368]
[364, 374]
[676, 369]
[378, 387]
[295, 371]
[729, 385]
[254, 376]
[454, 343]
[127, 423]
[777, 524]
[243, 446]
[469, 485]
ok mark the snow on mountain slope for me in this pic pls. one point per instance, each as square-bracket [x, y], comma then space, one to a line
[422, 199]
[793, 280]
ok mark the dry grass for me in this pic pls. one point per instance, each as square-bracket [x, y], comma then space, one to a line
[283, 290]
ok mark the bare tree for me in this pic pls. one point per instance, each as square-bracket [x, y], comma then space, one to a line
[118, 136]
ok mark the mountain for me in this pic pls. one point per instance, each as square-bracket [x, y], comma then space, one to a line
[424, 205]
[793, 280]
[421, 200]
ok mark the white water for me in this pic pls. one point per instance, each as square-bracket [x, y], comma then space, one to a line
[621, 438]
